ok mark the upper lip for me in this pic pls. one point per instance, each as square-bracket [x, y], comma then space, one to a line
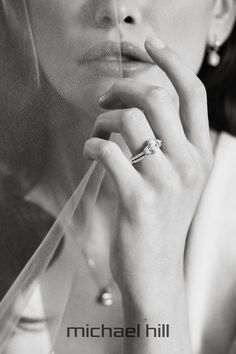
[109, 49]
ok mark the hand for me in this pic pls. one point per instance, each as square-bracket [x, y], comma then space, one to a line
[159, 195]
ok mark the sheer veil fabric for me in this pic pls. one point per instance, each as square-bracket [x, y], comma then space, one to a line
[42, 234]
[58, 210]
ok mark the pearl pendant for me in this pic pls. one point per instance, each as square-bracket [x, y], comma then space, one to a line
[214, 59]
[105, 297]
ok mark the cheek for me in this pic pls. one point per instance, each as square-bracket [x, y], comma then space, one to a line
[49, 24]
[55, 39]
[184, 26]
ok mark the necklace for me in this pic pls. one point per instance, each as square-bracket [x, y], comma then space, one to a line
[104, 296]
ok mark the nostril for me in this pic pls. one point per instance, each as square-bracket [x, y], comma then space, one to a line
[129, 20]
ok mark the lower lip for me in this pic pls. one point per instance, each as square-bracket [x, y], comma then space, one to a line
[120, 68]
[130, 68]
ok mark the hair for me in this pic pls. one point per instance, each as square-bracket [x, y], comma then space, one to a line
[220, 83]
[23, 227]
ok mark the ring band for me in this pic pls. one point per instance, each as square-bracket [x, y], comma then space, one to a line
[153, 145]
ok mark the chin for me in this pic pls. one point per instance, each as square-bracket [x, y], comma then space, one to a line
[86, 98]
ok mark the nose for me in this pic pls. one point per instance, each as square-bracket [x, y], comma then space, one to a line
[110, 13]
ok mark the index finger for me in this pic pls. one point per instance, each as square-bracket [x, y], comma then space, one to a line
[191, 91]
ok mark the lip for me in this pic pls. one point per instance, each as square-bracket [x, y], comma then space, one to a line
[124, 57]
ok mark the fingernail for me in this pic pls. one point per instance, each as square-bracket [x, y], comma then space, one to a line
[155, 42]
[103, 98]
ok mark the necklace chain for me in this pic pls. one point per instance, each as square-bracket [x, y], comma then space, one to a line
[105, 295]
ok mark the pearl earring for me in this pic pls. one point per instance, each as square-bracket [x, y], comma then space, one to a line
[214, 58]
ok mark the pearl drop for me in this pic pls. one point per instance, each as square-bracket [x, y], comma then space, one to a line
[105, 297]
[214, 59]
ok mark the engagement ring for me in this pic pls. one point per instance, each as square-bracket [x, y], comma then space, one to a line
[153, 145]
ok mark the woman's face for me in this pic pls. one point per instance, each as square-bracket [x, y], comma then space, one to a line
[78, 41]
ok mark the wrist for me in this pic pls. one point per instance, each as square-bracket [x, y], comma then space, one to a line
[154, 301]
[163, 322]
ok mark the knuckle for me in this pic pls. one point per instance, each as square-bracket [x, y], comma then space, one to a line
[119, 84]
[142, 200]
[106, 150]
[116, 86]
[198, 90]
[99, 122]
[129, 117]
[157, 94]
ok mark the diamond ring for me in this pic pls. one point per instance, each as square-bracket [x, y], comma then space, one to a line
[153, 145]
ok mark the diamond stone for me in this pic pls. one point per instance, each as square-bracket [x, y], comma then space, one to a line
[153, 146]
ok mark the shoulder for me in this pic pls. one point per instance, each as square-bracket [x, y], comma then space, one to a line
[210, 256]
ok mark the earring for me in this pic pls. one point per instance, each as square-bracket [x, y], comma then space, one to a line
[214, 58]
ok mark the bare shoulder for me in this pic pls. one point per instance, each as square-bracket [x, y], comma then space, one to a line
[211, 256]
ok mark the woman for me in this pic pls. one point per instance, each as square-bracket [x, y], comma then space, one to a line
[105, 70]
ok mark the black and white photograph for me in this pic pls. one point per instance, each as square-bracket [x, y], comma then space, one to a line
[117, 176]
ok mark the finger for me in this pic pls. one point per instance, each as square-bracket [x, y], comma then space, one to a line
[87, 199]
[191, 91]
[159, 110]
[93, 185]
[110, 156]
[130, 123]
[135, 130]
